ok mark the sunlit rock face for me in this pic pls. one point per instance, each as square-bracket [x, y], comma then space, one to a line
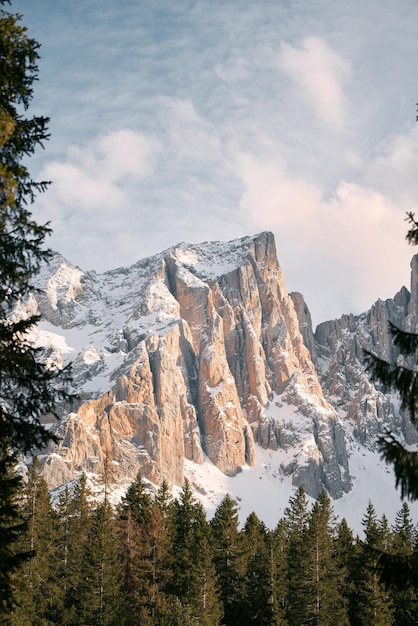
[195, 353]
[339, 352]
[199, 353]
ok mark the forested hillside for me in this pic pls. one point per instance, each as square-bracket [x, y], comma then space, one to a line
[157, 560]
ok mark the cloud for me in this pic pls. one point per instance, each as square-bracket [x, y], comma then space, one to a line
[394, 168]
[321, 73]
[190, 135]
[116, 156]
[97, 176]
[232, 133]
[341, 247]
[349, 245]
[77, 189]
[92, 202]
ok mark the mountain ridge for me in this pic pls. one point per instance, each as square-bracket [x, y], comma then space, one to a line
[198, 354]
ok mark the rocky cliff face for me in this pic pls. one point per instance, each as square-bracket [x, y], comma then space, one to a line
[338, 352]
[196, 353]
[199, 354]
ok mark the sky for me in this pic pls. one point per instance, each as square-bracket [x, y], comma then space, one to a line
[199, 120]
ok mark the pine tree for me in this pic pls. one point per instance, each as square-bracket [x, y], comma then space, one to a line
[211, 611]
[385, 533]
[401, 377]
[28, 388]
[135, 567]
[347, 555]
[27, 385]
[261, 602]
[75, 517]
[296, 519]
[73, 512]
[374, 603]
[228, 559]
[160, 546]
[404, 591]
[280, 572]
[163, 499]
[403, 531]
[191, 559]
[100, 596]
[13, 525]
[137, 502]
[38, 590]
[144, 546]
[324, 575]
[64, 573]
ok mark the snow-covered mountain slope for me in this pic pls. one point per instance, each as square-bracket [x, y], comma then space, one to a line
[197, 362]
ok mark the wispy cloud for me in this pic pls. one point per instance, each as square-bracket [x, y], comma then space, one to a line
[96, 176]
[351, 243]
[322, 74]
[187, 121]
[191, 136]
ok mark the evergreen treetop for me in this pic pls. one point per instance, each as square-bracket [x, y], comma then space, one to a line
[28, 388]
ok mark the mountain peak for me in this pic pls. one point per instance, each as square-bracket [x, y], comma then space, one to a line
[197, 356]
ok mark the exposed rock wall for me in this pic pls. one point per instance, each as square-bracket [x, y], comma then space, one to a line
[194, 353]
[339, 353]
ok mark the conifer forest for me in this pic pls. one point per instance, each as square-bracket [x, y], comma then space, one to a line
[158, 560]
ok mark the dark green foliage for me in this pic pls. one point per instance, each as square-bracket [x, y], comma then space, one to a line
[404, 531]
[12, 525]
[209, 610]
[136, 503]
[158, 562]
[228, 559]
[296, 519]
[74, 513]
[403, 587]
[144, 547]
[100, 594]
[263, 586]
[405, 465]
[38, 588]
[28, 388]
[401, 377]
[374, 603]
[135, 569]
[279, 552]
[346, 554]
[324, 575]
[193, 573]
[173, 613]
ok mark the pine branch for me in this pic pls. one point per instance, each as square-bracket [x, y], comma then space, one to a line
[412, 234]
[396, 570]
[405, 341]
[405, 464]
[395, 378]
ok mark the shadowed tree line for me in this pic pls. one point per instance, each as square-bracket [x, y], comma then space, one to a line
[157, 560]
